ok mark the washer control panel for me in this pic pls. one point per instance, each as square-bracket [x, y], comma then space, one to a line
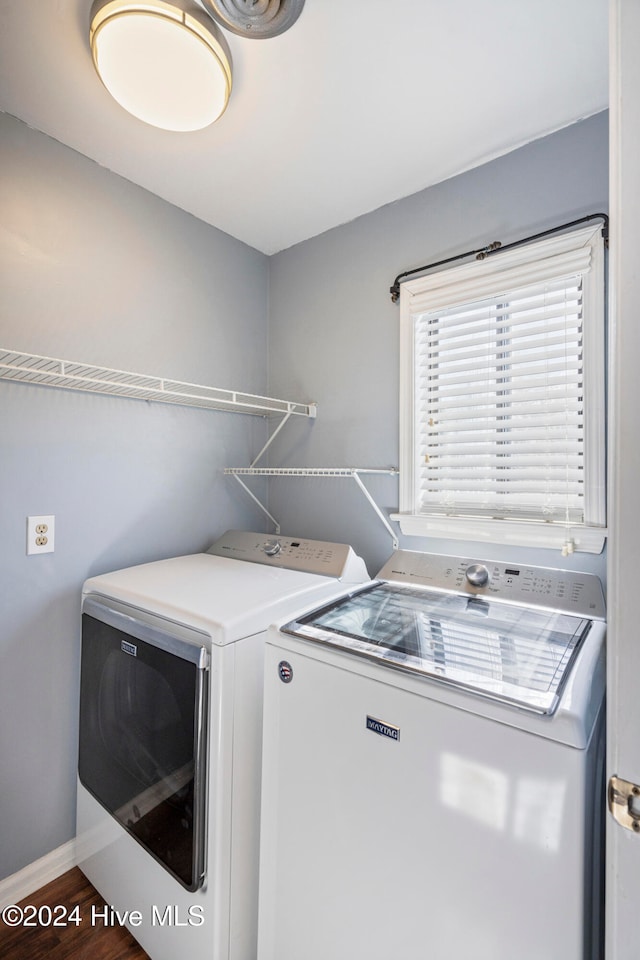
[564, 590]
[292, 553]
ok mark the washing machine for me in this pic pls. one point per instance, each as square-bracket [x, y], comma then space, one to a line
[433, 768]
[170, 735]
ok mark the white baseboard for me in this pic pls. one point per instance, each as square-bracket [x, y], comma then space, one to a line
[35, 875]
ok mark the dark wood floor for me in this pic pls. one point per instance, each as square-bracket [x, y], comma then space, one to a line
[86, 940]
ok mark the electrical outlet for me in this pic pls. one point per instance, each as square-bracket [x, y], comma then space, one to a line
[40, 531]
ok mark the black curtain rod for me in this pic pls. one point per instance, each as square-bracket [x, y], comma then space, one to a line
[497, 246]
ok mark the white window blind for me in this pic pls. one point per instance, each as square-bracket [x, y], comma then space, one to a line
[506, 418]
[500, 405]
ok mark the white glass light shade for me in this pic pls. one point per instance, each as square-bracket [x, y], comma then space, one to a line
[161, 63]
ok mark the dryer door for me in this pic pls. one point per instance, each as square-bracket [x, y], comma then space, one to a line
[142, 749]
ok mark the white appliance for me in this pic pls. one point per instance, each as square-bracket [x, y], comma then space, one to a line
[170, 734]
[432, 756]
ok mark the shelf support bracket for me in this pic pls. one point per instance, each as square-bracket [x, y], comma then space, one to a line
[271, 439]
[383, 519]
[256, 501]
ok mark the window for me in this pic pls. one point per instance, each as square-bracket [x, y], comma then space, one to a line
[502, 397]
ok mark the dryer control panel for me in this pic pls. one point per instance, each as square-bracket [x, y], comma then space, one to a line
[329, 559]
[564, 590]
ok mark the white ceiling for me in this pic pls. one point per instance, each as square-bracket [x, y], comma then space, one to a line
[360, 103]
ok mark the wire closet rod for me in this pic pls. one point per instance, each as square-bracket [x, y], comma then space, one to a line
[497, 247]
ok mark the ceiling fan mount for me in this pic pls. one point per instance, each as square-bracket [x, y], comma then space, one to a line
[256, 19]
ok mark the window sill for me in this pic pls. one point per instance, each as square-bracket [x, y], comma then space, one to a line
[521, 534]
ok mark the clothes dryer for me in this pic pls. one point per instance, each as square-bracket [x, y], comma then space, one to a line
[171, 732]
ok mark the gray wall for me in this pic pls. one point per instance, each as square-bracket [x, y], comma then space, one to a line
[93, 268]
[333, 334]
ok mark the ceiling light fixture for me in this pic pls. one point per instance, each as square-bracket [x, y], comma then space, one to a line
[166, 63]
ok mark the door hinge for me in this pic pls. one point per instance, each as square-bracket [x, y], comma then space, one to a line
[624, 803]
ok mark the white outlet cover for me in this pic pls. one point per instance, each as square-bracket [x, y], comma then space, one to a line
[40, 534]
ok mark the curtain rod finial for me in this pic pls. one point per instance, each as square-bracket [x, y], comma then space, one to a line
[488, 249]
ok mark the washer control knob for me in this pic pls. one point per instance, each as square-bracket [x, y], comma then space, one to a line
[272, 547]
[477, 575]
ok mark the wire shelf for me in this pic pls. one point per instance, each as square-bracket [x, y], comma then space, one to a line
[306, 471]
[353, 473]
[72, 375]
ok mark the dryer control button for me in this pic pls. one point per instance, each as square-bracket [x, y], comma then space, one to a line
[271, 547]
[477, 575]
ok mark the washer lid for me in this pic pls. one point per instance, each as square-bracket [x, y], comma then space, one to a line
[520, 655]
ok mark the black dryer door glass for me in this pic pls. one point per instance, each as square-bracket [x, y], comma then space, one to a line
[142, 726]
